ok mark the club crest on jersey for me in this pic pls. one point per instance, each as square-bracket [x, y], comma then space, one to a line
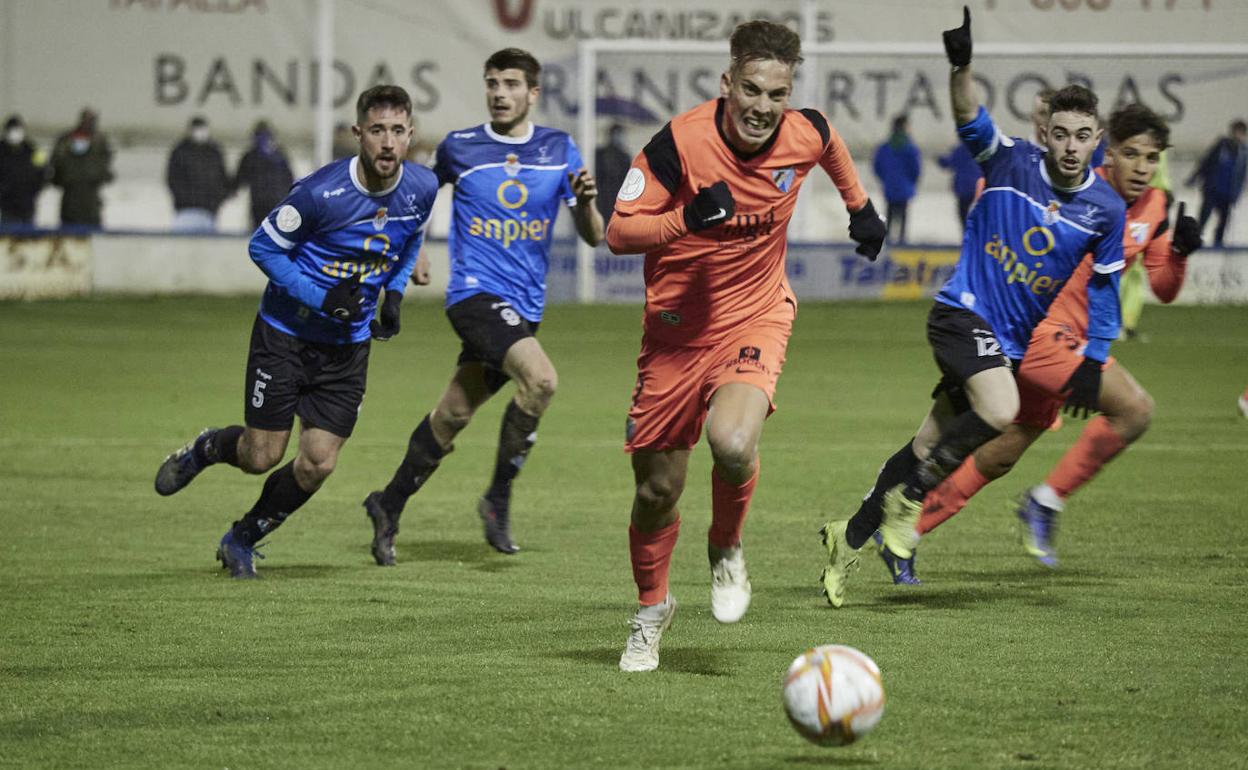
[512, 166]
[1139, 231]
[783, 177]
[1052, 213]
[380, 219]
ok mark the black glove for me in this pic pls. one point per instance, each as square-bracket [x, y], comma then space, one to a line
[344, 300]
[1083, 389]
[958, 41]
[711, 206]
[388, 326]
[868, 231]
[1186, 237]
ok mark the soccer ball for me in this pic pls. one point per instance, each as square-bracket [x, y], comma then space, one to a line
[833, 695]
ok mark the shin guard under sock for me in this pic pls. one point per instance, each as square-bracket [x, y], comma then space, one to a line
[729, 505]
[894, 471]
[966, 433]
[1097, 445]
[651, 554]
[422, 459]
[280, 497]
[950, 496]
[516, 437]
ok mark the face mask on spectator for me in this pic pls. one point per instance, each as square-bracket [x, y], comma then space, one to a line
[14, 136]
[79, 144]
[199, 134]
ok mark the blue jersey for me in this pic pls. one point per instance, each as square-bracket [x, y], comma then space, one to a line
[507, 196]
[1025, 236]
[329, 228]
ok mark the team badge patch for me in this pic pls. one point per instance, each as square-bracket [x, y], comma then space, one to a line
[1139, 231]
[288, 219]
[634, 185]
[380, 219]
[512, 166]
[1052, 213]
[783, 177]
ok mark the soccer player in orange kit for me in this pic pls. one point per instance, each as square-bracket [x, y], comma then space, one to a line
[708, 201]
[1137, 136]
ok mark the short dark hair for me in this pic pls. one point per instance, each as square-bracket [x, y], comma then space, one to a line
[901, 123]
[382, 96]
[1134, 119]
[1045, 95]
[1074, 98]
[516, 59]
[1239, 125]
[761, 40]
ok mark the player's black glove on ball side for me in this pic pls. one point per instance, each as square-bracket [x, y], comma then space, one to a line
[1083, 389]
[711, 206]
[1186, 237]
[388, 326]
[868, 231]
[344, 300]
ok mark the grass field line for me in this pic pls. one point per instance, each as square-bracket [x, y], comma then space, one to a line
[69, 442]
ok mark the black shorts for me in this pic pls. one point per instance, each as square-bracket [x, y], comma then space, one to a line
[488, 326]
[964, 345]
[287, 376]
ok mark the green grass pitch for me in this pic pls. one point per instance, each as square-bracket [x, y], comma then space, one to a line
[122, 644]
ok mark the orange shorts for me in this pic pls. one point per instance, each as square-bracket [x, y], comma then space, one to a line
[675, 383]
[1053, 354]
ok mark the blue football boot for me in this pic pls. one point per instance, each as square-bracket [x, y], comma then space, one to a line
[902, 570]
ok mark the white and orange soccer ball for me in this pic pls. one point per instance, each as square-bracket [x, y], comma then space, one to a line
[833, 695]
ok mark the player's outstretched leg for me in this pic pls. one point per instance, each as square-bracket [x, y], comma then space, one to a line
[899, 569]
[211, 446]
[516, 438]
[842, 557]
[384, 507]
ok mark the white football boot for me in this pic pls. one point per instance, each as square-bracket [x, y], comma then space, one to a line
[730, 583]
[641, 653]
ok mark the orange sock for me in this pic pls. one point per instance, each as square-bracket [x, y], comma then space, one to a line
[1097, 445]
[729, 504]
[951, 495]
[651, 553]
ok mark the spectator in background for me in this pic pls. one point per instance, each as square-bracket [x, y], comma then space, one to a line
[197, 178]
[897, 164]
[265, 170]
[1222, 172]
[966, 176]
[82, 163]
[611, 164]
[22, 173]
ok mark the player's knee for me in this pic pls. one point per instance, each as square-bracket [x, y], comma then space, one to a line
[1137, 417]
[534, 396]
[449, 421]
[253, 458]
[733, 450]
[657, 495]
[999, 415]
[311, 472]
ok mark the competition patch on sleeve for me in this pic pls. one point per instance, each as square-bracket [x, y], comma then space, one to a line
[288, 219]
[634, 185]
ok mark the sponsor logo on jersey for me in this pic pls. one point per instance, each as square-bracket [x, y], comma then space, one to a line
[1139, 231]
[544, 157]
[511, 229]
[783, 177]
[380, 219]
[333, 193]
[464, 134]
[749, 226]
[633, 186]
[1037, 242]
[512, 164]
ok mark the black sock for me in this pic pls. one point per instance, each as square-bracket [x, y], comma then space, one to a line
[280, 497]
[894, 471]
[965, 434]
[515, 438]
[220, 446]
[421, 460]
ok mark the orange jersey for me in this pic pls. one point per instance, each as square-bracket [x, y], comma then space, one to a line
[1148, 232]
[702, 286]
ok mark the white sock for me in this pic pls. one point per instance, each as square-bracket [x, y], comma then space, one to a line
[1046, 496]
[655, 612]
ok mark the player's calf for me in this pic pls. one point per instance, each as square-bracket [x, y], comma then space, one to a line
[211, 446]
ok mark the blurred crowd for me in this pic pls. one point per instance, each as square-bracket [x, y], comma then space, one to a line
[80, 163]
